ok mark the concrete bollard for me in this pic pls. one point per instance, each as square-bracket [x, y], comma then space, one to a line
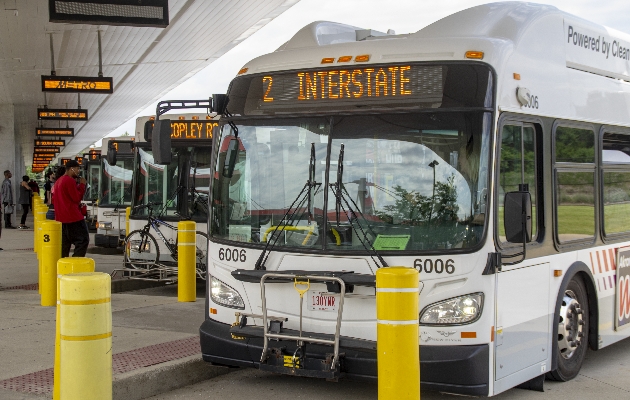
[65, 266]
[186, 261]
[86, 337]
[50, 253]
[398, 354]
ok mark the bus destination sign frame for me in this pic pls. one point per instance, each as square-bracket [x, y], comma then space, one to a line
[77, 84]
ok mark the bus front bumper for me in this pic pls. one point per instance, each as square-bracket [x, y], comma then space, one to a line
[453, 369]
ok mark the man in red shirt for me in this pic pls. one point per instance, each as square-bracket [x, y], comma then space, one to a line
[67, 201]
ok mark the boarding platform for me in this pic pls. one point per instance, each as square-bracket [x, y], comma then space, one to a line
[155, 339]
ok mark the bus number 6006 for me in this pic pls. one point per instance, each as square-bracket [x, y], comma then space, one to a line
[232, 255]
[438, 265]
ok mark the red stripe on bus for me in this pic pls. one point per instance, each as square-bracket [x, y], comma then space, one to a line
[592, 266]
[611, 254]
[599, 262]
[605, 257]
[610, 281]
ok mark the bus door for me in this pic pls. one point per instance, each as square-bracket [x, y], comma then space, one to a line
[523, 326]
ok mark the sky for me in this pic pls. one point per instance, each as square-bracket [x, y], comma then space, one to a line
[403, 16]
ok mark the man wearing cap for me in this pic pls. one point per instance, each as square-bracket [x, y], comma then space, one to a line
[67, 202]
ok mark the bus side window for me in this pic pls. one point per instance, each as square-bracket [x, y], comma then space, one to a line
[517, 166]
[574, 183]
[616, 182]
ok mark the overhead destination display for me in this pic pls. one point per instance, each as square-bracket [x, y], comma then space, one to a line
[54, 132]
[77, 84]
[352, 86]
[50, 142]
[62, 114]
[46, 150]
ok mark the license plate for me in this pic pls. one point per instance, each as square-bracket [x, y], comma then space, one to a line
[322, 301]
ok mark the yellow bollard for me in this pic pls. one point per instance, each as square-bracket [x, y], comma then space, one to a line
[50, 253]
[41, 217]
[127, 214]
[65, 266]
[186, 261]
[35, 221]
[86, 337]
[398, 352]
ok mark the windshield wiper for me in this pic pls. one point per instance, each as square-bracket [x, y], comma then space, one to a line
[307, 194]
[342, 196]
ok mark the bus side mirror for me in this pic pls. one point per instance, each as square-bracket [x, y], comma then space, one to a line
[161, 141]
[111, 153]
[219, 103]
[518, 217]
[230, 158]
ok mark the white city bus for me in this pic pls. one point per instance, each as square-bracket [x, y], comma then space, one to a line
[170, 194]
[115, 190]
[489, 150]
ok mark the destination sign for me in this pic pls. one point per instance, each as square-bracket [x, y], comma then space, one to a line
[79, 160]
[50, 142]
[62, 114]
[64, 161]
[46, 150]
[77, 84]
[123, 147]
[185, 130]
[54, 131]
[94, 155]
[390, 83]
[44, 156]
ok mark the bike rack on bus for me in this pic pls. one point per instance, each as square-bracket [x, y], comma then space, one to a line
[274, 359]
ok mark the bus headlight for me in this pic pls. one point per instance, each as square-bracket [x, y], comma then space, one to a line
[225, 295]
[105, 225]
[455, 311]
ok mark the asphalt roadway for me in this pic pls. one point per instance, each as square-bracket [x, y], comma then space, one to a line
[605, 375]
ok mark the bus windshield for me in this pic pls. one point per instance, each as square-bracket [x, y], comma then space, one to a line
[116, 183]
[179, 195]
[414, 181]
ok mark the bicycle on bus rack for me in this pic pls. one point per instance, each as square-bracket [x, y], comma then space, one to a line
[142, 258]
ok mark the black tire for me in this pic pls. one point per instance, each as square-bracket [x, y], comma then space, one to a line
[133, 246]
[201, 249]
[573, 320]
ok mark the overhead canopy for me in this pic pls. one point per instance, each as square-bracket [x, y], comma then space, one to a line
[144, 62]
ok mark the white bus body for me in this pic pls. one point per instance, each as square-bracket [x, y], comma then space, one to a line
[553, 76]
[158, 183]
[115, 193]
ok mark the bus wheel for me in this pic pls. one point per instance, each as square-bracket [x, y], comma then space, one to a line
[573, 323]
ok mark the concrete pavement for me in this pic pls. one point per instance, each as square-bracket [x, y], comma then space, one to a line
[155, 338]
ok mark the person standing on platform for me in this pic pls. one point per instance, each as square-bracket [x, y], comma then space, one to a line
[1, 202]
[24, 199]
[68, 192]
[48, 186]
[35, 191]
[7, 199]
